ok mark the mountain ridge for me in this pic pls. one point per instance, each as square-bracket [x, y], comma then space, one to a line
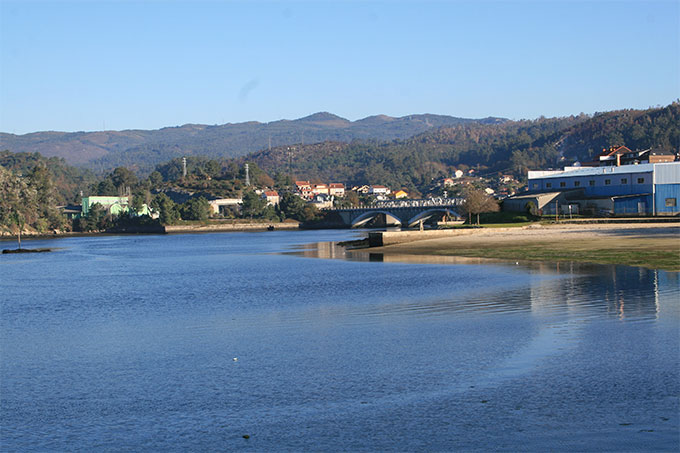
[107, 149]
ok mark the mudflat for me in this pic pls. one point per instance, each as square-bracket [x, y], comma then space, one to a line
[651, 245]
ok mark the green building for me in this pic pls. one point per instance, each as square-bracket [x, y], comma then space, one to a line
[113, 205]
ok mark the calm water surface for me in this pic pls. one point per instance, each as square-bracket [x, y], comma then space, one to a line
[128, 343]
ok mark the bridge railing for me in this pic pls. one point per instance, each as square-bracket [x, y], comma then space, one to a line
[391, 204]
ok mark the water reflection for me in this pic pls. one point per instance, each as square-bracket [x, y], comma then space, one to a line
[581, 289]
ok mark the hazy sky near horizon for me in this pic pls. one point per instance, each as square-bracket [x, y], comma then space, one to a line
[93, 65]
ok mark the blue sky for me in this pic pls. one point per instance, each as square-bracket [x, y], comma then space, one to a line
[90, 65]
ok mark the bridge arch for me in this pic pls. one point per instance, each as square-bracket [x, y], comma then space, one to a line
[370, 215]
[429, 213]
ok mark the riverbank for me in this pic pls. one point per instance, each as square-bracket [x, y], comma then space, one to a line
[193, 227]
[650, 245]
[216, 227]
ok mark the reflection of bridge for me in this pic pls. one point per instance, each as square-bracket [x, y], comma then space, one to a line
[407, 213]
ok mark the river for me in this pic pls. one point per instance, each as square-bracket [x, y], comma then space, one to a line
[244, 341]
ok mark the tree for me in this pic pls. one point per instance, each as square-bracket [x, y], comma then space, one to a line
[213, 168]
[123, 178]
[18, 202]
[253, 205]
[195, 209]
[105, 188]
[138, 201]
[167, 209]
[96, 217]
[292, 206]
[155, 179]
[477, 201]
[47, 215]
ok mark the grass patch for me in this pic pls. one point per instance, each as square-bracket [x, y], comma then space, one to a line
[643, 255]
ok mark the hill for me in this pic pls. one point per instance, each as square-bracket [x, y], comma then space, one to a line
[507, 147]
[143, 149]
[67, 181]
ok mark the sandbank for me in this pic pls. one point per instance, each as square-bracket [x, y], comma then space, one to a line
[652, 245]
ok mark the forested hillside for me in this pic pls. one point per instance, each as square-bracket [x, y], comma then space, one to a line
[508, 147]
[66, 181]
[143, 149]
[636, 129]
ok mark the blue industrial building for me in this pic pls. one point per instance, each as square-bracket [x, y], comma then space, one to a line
[644, 189]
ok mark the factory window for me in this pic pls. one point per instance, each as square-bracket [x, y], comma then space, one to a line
[624, 180]
[607, 182]
[591, 182]
[641, 180]
[577, 183]
[563, 184]
[548, 185]
[534, 186]
[671, 202]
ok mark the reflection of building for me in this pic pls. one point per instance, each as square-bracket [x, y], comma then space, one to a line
[618, 291]
[645, 189]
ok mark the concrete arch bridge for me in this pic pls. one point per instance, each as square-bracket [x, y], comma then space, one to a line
[404, 213]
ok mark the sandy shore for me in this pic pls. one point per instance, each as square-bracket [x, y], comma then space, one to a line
[654, 245]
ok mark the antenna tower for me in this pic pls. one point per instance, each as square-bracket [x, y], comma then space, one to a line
[247, 176]
[184, 167]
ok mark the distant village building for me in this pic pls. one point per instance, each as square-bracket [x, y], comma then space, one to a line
[401, 194]
[272, 197]
[322, 201]
[71, 211]
[620, 155]
[318, 189]
[336, 189]
[447, 182]
[220, 205]
[304, 188]
[379, 190]
[458, 174]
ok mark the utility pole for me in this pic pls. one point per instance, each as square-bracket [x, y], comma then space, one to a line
[184, 167]
[247, 176]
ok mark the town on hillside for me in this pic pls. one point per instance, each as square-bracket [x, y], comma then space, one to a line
[617, 182]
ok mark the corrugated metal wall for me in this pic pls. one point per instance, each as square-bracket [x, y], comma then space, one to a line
[667, 173]
[667, 194]
[641, 205]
